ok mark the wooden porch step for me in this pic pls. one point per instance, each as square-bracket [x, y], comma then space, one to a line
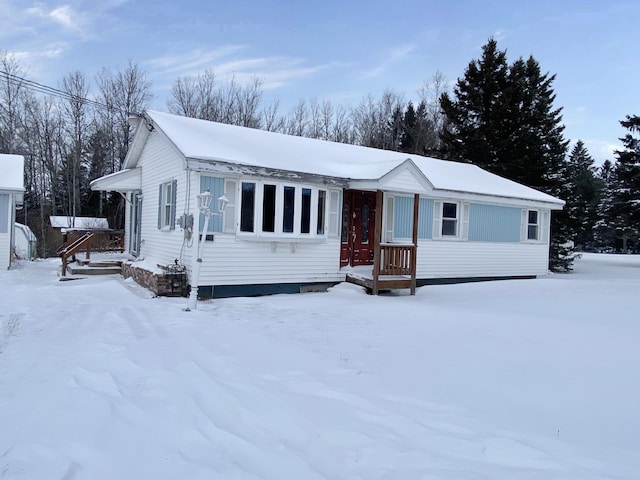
[385, 282]
[94, 270]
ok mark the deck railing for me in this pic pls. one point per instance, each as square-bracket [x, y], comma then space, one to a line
[396, 259]
[76, 241]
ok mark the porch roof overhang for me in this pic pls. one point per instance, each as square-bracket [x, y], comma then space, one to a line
[123, 181]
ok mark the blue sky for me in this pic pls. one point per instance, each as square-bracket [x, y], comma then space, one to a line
[343, 50]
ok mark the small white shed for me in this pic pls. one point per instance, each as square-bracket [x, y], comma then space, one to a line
[25, 242]
[11, 196]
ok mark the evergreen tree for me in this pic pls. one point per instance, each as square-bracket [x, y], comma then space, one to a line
[604, 231]
[502, 119]
[409, 131]
[584, 195]
[625, 207]
[475, 114]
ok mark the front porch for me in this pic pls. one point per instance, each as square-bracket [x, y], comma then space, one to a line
[394, 264]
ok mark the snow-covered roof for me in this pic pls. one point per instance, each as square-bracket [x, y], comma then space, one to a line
[216, 142]
[123, 181]
[85, 223]
[12, 168]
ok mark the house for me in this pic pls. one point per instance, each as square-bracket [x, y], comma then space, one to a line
[11, 197]
[304, 212]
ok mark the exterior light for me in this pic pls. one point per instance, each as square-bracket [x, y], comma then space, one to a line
[222, 203]
[204, 204]
[204, 201]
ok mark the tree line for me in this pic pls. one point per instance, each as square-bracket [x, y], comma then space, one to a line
[499, 115]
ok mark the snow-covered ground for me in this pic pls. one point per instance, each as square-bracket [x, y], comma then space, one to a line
[528, 379]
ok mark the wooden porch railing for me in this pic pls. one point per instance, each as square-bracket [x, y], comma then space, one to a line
[396, 259]
[76, 241]
[396, 268]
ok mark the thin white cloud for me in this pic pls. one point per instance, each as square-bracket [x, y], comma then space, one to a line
[394, 56]
[67, 17]
[194, 62]
[275, 72]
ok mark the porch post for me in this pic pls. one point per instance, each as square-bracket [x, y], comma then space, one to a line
[416, 208]
[377, 239]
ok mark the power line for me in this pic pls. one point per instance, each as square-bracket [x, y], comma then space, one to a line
[47, 90]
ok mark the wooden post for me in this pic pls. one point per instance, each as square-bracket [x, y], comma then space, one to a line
[416, 208]
[377, 239]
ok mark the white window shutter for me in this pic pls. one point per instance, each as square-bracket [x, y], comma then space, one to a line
[174, 196]
[523, 225]
[544, 226]
[334, 213]
[465, 222]
[230, 212]
[437, 219]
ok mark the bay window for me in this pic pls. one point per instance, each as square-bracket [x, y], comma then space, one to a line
[280, 210]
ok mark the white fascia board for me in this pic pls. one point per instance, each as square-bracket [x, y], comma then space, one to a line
[122, 181]
[496, 199]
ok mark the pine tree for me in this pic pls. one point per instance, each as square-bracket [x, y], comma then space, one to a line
[502, 119]
[584, 195]
[604, 230]
[409, 133]
[625, 208]
[475, 114]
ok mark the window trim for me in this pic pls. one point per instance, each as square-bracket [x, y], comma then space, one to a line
[455, 219]
[536, 238]
[462, 220]
[167, 195]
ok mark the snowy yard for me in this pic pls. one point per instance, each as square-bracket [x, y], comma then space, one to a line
[528, 379]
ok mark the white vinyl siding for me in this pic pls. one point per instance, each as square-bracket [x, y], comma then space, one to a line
[480, 259]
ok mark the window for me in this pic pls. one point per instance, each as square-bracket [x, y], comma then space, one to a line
[364, 224]
[449, 219]
[247, 209]
[322, 202]
[305, 223]
[289, 209]
[276, 209]
[167, 205]
[269, 208]
[533, 226]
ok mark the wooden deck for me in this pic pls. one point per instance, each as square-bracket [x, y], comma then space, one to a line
[87, 241]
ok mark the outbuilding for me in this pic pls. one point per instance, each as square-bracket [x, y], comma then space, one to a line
[11, 197]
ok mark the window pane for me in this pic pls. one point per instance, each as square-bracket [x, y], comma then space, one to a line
[449, 210]
[247, 206]
[533, 216]
[532, 232]
[344, 236]
[322, 200]
[449, 227]
[305, 224]
[289, 209]
[269, 208]
[364, 226]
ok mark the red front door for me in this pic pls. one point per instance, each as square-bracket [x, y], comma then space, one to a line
[358, 227]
